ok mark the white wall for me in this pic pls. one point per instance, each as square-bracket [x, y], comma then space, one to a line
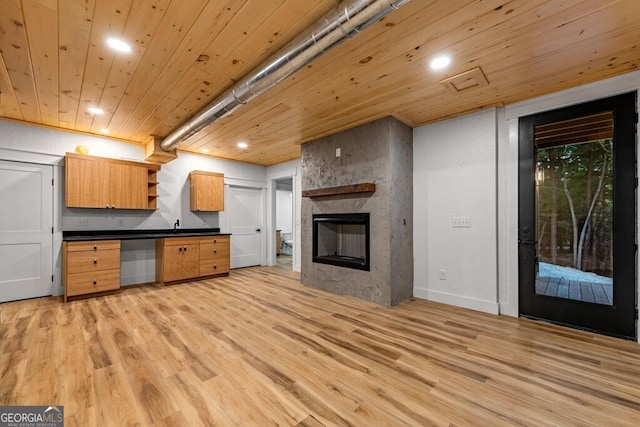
[468, 166]
[27, 143]
[454, 166]
[284, 211]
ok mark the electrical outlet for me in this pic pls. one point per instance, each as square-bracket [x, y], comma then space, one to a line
[83, 222]
[338, 152]
[461, 222]
[443, 275]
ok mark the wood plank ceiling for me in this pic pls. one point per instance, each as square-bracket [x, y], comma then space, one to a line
[54, 64]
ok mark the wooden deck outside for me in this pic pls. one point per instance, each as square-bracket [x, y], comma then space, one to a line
[259, 349]
[576, 290]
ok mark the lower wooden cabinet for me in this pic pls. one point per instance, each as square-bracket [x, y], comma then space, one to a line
[184, 258]
[94, 266]
[177, 258]
[214, 255]
[90, 267]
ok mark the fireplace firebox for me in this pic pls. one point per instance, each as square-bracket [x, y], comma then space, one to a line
[342, 240]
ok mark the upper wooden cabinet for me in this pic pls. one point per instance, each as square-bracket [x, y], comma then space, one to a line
[207, 191]
[98, 182]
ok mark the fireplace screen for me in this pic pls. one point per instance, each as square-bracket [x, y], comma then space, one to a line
[342, 240]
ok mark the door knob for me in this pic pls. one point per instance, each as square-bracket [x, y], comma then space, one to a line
[257, 230]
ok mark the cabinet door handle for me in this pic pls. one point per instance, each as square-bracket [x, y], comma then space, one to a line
[215, 251]
[215, 266]
[95, 282]
[95, 247]
[95, 261]
[215, 241]
[113, 206]
[180, 249]
[185, 248]
[107, 206]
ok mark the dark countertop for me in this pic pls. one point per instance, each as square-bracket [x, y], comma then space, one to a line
[88, 235]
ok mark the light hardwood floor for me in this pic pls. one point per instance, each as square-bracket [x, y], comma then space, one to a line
[258, 349]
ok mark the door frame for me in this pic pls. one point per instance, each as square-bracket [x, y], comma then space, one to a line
[271, 215]
[620, 318]
[57, 162]
[507, 124]
[253, 185]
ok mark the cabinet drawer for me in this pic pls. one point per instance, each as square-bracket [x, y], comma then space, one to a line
[96, 245]
[214, 240]
[210, 267]
[181, 241]
[86, 283]
[213, 251]
[85, 262]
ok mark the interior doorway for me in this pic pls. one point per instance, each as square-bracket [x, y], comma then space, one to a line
[577, 210]
[284, 222]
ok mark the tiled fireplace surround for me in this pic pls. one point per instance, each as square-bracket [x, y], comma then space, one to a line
[380, 152]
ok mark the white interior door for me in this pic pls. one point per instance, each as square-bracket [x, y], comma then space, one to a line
[26, 237]
[244, 210]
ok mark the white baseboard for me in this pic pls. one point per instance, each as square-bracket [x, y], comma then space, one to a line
[509, 309]
[490, 307]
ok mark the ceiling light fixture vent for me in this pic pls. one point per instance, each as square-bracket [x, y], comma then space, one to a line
[467, 80]
[348, 18]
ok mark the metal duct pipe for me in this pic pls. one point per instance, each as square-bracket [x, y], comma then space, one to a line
[347, 19]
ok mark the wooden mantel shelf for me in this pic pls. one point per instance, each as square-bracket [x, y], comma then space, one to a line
[365, 187]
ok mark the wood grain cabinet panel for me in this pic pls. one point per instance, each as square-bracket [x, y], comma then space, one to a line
[86, 183]
[98, 182]
[89, 283]
[214, 255]
[177, 258]
[84, 262]
[129, 186]
[207, 191]
[90, 267]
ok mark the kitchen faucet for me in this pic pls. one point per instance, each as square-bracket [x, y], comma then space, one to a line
[176, 225]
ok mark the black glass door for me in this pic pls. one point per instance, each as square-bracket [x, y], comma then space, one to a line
[577, 211]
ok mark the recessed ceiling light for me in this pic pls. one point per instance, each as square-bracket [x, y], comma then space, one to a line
[105, 130]
[440, 62]
[242, 145]
[204, 150]
[119, 45]
[94, 110]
